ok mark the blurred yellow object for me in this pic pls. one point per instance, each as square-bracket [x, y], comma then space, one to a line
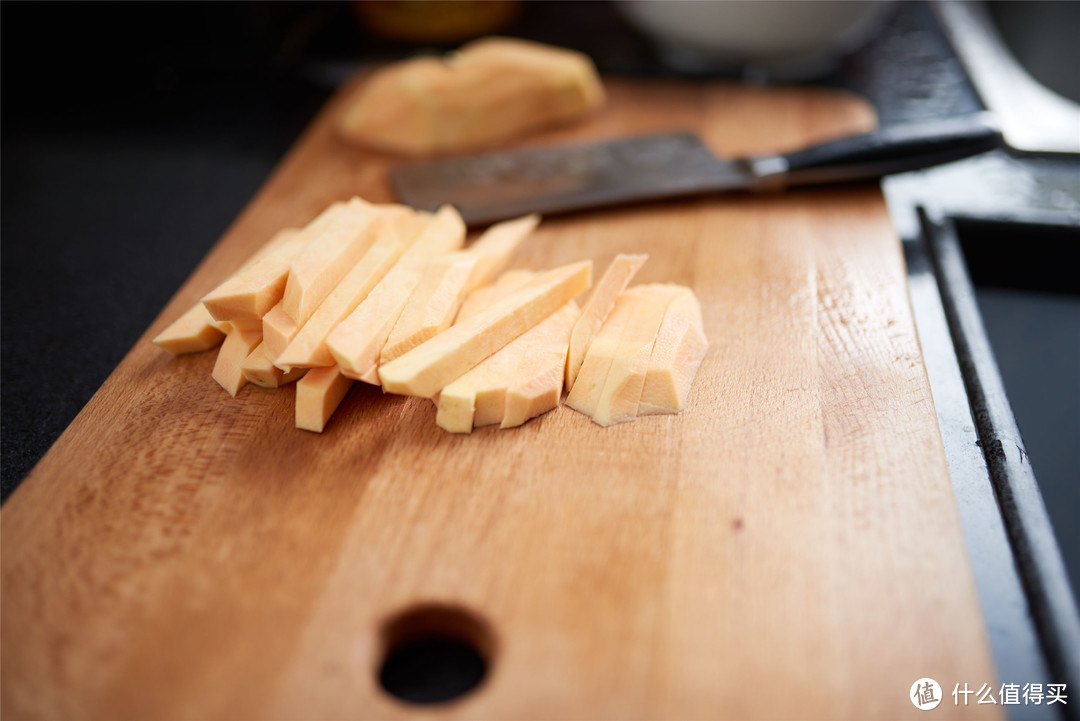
[492, 91]
[441, 21]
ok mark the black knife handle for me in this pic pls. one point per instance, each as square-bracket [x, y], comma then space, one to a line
[892, 149]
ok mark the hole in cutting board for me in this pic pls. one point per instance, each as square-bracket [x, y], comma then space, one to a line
[434, 653]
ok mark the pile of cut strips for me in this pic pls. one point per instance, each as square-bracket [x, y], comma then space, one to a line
[386, 295]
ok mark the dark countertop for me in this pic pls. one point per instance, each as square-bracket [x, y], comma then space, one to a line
[124, 160]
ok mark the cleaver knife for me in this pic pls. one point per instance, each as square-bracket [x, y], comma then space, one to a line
[497, 186]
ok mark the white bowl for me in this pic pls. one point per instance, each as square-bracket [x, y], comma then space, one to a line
[792, 37]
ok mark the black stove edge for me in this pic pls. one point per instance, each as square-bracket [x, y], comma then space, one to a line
[997, 473]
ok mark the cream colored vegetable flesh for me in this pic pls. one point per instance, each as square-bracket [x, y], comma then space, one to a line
[480, 298]
[677, 353]
[228, 370]
[278, 330]
[335, 241]
[585, 394]
[644, 358]
[446, 281]
[318, 394]
[308, 346]
[192, 332]
[537, 384]
[248, 294]
[490, 91]
[597, 308]
[197, 330]
[384, 294]
[518, 382]
[259, 370]
[357, 341]
[626, 376]
[429, 367]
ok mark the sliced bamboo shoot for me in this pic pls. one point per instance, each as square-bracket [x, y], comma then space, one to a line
[436, 363]
[588, 388]
[498, 244]
[431, 306]
[478, 398]
[334, 243]
[318, 394]
[258, 369]
[357, 341]
[538, 380]
[480, 298]
[234, 351]
[518, 382]
[597, 308]
[192, 332]
[308, 347]
[677, 353]
[446, 282]
[245, 296]
[278, 330]
[538, 395]
[626, 377]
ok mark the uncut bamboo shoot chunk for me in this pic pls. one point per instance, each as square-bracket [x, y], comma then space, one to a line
[278, 330]
[192, 332]
[249, 293]
[334, 245]
[446, 282]
[677, 353]
[626, 377]
[490, 91]
[259, 370]
[597, 308]
[308, 347]
[228, 370]
[480, 298]
[436, 363]
[318, 394]
[358, 340]
[512, 380]
[578, 85]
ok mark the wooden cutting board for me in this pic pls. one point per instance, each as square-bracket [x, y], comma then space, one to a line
[788, 547]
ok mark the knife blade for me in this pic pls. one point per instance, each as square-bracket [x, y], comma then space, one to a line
[495, 186]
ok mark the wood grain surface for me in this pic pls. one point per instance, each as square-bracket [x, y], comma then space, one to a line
[788, 547]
